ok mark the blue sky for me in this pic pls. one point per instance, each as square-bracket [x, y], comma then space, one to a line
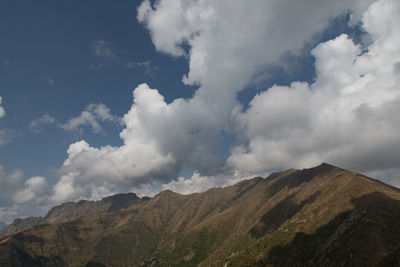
[104, 97]
[49, 66]
[53, 41]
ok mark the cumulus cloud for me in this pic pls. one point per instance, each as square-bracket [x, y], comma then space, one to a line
[35, 191]
[2, 112]
[140, 156]
[19, 198]
[9, 183]
[104, 50]
[229, 39]
[91, 116]
[9, 180]
[22, 199]
[36, 124]
[6, 135]
[201, 183]
[346, 117]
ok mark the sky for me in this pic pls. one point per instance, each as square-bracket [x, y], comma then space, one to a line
[101, 97]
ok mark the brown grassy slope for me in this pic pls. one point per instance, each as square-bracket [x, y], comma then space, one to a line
[258, 221]
[71, 210]
[330, 207]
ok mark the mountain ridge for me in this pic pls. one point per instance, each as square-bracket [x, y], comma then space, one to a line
[69, 211]
[340, 216]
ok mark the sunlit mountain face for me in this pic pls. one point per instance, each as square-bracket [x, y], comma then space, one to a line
[99, 98]
[323, 216]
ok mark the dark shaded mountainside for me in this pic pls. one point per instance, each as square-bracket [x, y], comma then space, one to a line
[323, 216]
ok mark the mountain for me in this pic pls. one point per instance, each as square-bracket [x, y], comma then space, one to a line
[323, 216]
[71, 210]
[2, 225]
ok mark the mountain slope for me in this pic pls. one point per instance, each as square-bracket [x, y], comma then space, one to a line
[71, 210]
[319, 216]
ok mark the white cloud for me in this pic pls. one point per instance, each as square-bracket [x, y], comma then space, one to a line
[104, 50]
[6, 135]
[2, 112]
[19, 198]
[347, 117]
[23, 199]
[91, 116]
[229, 39]
[9, 180]
[35, 191]
[201, 183]
[36, 124]
[158, 139]
[146, 65]
[9, 183]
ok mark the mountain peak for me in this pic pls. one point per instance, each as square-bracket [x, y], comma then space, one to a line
[125, 196]
[323, 167]
[168, 193]
[312, 217]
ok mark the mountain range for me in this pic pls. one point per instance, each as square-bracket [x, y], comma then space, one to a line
[2, 225]
[322, 216]
[70, 211]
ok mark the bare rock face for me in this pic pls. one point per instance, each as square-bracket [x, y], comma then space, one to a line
[323, 216]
